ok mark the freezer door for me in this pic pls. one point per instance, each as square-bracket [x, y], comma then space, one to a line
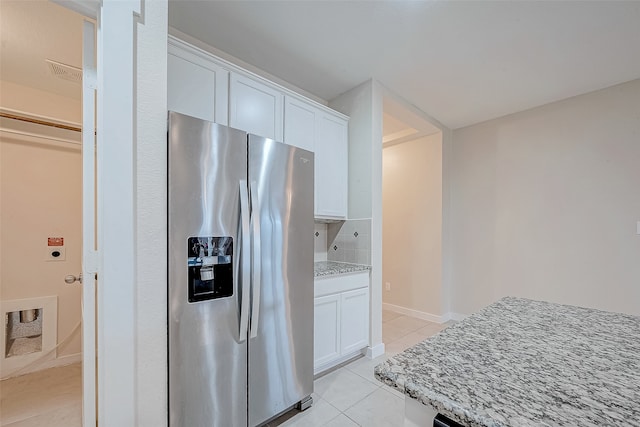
[281, 335]
[207, 355]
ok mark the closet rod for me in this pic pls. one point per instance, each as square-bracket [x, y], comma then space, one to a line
[40, 122]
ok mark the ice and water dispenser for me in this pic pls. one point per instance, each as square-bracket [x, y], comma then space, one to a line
[210, 262]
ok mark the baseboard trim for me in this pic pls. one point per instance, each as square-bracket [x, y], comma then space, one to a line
[416, 313]
[46, 364]
[457, 316]
[339, 362]
[375, 351]
[61, 361]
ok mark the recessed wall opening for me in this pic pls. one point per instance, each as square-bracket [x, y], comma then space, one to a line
[41, 212]
[412, 159]
[23, 332]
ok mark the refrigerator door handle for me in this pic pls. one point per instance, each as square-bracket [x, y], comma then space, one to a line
[257, 260]
[245, 256]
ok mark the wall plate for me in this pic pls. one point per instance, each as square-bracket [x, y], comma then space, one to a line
[55, 253]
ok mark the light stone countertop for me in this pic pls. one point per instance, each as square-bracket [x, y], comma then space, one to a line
[523, 363]
[330, 268]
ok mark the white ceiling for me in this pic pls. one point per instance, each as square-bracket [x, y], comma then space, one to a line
[460, 62]
[32, 31]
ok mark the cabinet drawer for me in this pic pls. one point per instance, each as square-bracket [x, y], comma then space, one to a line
[344, 282]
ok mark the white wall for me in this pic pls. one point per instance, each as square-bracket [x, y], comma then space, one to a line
[545, 204]
[412, 231]
[363, 105]
[151, 217]
[41, 197]
[357, 104]
[29, 100]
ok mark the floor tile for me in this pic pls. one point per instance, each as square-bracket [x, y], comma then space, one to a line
[344, 388]
[408, 323]
[380, 409]
[432, 329]
[391, 333]
[341, 421]
[412, 339]
[364, 367]
[395, 347]
[39, 393]
[66, 416]
[319, 414]
[389, 315]
[393, 391]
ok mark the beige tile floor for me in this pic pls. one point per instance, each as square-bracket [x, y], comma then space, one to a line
[47, 398]
[347, 397]
[351, 396]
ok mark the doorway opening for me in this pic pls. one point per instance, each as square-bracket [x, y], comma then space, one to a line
[412, 159]
[41, 213]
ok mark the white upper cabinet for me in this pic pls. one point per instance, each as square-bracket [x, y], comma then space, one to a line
[316, 129]
[210, 88]
[255, 107]
[300, 123]
[331, 166]
[196, 86]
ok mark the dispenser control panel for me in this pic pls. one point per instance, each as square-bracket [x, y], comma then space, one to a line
[210, 265]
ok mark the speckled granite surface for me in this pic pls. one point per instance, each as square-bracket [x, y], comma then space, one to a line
[329, 268]
[525, 363]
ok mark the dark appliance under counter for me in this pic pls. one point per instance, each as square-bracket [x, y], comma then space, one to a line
[442, 421]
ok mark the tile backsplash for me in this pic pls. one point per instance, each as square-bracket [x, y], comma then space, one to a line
[320, 242]
[345, 241]
[349, 241]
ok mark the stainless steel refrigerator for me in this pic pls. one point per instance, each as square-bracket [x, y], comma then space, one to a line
[240, 266]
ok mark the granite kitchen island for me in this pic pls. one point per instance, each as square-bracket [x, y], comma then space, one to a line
[522, 363]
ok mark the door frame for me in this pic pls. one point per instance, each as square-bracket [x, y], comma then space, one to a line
[118, 23]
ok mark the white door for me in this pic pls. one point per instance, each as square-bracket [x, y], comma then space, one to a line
[255, 107]
[196, 87]
[331, 166]
[354, 325]
[89, 254]
[299, 123]
[326, 330]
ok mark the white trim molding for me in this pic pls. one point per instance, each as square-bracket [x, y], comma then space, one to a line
[375, 351]
[416, 313]
[116, 211]
[457, 316]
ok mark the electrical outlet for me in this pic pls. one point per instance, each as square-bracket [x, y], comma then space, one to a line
[55, 253]
[387, 286]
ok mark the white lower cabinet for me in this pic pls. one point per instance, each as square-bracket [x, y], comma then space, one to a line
[354, 320]
[326, 334]
[341, 319]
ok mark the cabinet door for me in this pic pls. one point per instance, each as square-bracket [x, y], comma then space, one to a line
[354, 325]
[326, 330]
[331, 167]
[255, 107]
[299, 123]
[197, 87]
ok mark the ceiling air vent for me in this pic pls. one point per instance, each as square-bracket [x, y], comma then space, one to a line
[64, 71]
